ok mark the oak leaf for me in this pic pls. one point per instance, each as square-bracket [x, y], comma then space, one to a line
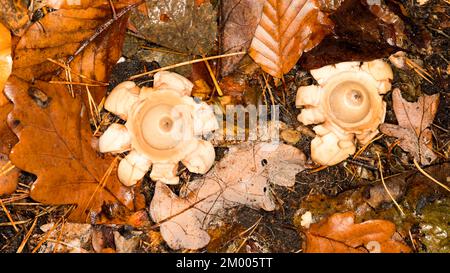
[339, 234]
[55, 145]
[287, 28]
[7, 138]
[5, 59]
[52, 126]
[242, 177]
[9, 176]
[414, 120]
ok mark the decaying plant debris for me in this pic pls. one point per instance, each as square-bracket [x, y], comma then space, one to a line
[62, 120]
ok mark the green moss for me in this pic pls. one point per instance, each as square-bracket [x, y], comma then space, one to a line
[435, 226]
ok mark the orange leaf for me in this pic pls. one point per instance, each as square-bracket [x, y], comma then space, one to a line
[9, 175]
[61, 34]
[5, 59]
[7, 138]
[83, 4]
[55, 145]
[339, 234]
[287, 28]
[52, 126]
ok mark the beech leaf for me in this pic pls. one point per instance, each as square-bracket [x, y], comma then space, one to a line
[414, 120]
[287, 28]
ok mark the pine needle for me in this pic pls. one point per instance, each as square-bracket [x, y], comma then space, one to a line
[185, 63]
[429, 176]
[213, 77]
[5, 169]
[102, 183]
[419, 70]
[9, 216]
[77, 83]
[386, 188]
[27, 236]
[250, 230]
[363, 148]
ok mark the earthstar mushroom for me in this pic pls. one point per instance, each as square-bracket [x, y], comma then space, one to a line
[347, 104]
[163, 126]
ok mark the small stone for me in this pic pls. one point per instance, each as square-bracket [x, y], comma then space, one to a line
[306, 219]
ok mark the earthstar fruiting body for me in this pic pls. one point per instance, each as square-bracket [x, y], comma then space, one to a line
[347, 104]
[164, 126]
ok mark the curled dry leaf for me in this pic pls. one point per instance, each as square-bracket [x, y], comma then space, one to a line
[242, 177]
[363, 31]
[68, 169]
[287, 29]
[414, 119]
[240, 19]
[339, 234]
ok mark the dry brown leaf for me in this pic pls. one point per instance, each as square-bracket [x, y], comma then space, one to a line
[242, 177]
[7, 138]
[414, 119]
[240, 19]
[55, 145]
[5, 59]
[366, 30]
[287, 29]
[83, 4]
[53, 127]
[60, 34]
[8, 173]
[339, 234]
[9, 176]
